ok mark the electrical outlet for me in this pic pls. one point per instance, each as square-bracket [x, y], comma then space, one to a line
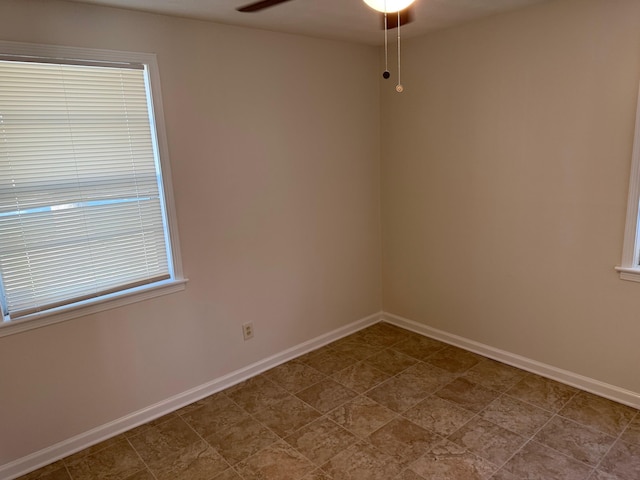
[247, 330]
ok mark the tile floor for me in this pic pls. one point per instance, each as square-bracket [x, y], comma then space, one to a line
[381, 404]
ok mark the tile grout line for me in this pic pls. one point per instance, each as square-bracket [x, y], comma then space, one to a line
[594, 468]
[211, 446]
[278, 436]
[67, 470]
[456, 376]
[142, 459]
[478, 415]
[618, 439]
[532, 437]
[251, 415]
[357, 438]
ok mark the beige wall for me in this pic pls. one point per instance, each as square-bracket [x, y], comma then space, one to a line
[276, 174]
[505, 171]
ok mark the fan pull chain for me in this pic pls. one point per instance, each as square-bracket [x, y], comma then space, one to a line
[399, 87]
[386, 73]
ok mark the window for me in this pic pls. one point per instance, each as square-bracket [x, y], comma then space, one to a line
[85, 209]
[630, 267]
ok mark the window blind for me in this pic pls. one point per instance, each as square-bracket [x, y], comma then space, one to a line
[81, 207]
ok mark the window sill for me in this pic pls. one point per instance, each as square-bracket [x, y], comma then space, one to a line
[628, 273]
[87, 307]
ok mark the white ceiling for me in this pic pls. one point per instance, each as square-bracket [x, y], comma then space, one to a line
[348, 20]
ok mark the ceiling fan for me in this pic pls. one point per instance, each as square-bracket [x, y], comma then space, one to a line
[406, 14]
[401, 11]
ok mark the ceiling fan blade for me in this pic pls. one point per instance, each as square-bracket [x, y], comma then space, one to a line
[254, 7]
[406, 16]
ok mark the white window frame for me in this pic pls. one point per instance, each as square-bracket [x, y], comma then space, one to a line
[105, 302]
[629, 268]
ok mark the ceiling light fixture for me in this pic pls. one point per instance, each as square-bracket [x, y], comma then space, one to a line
[390, 6]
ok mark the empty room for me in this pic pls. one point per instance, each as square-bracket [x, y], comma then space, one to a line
[279, 241]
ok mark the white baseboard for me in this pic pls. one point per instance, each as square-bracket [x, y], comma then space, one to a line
[596, 387]
[96, 435]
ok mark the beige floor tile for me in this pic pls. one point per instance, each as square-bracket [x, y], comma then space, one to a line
[229, 474]
[382, 335]
[427, 376]
[361, 416]
[454, 359]
[632, 432]
[256, 393]
[328, 361]
[446, 460]
[542, 392]
[362, 461]
[599, 475]
[54, 471]
[286, 417]
[398, 393]
[623, 461]
[404, 439]
[391, 331]
[117, 462]
[599, 413]
[241, 440]
[503, 474]
[294, 376]
[391, 361]
[197, 461]
[59, 474]
[576, 440]
[494, 375]
[409, 475]
[279, 461]
[438, 415]
[159, 442]
[360, 377]
[317, 475]
[538, 462]
[410, 387]
[488, 440]
[216, 412]
[326, 395]
[355, 348]
[321, 440]
[419, 347]
[467, 395]
[516, 415]
[142, 475]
